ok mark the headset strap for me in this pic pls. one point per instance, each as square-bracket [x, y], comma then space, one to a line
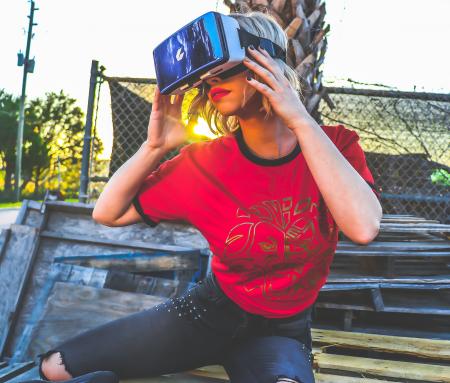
[273, 49]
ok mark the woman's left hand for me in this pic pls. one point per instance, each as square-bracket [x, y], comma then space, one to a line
[282, 96]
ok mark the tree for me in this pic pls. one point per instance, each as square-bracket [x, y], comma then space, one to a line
[53, 142]
[303, 22]
[9, 116]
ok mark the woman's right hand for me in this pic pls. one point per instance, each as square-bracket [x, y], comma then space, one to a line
[165, 129]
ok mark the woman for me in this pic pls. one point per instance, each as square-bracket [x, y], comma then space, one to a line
[269, 195]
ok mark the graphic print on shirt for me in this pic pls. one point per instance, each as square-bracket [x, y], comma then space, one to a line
[275, 245]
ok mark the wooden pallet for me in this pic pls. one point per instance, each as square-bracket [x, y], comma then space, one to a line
[334, 361]
[57, 248]
[59, 229]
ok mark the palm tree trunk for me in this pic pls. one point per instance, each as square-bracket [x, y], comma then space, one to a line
[303, 22]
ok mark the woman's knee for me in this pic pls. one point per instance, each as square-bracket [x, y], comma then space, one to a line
[52, 368]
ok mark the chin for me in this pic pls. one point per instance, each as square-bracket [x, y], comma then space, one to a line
[229, 110]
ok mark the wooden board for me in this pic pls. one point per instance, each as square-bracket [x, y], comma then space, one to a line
[383, 368]
[210, 374]
[16, 265]
[418, 347]
[417, 301]
[13, 370]
[99, 278]
[66, 225]
[72, 309]
[4, 236]
[138, 261]
[185, 377]
[218, 373]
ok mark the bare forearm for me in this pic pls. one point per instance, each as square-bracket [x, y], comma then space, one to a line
[354, 206]
[118, 193]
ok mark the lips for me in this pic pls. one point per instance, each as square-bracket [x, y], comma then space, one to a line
[218, 93]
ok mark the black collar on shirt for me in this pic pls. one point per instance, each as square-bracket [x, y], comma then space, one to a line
[264, 161]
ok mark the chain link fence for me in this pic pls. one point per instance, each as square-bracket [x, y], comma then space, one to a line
[405, 136]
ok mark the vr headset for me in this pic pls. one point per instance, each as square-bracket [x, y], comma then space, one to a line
[211, 45]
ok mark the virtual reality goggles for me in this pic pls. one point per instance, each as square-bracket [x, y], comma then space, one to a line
[209, 46]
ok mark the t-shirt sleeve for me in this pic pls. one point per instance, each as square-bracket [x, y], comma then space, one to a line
[164, 193]
[347, 141]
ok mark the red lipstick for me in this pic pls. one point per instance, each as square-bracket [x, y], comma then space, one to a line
[218, 93]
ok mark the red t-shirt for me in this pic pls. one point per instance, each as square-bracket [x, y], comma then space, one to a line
[268, 227]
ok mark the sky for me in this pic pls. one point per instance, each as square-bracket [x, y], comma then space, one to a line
[397, 43]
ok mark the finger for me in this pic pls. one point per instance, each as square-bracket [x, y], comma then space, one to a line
[176, 107]
[179, 99]
[156, 98]
[263, 57]
[263, 88]
[274, 65]
[263, 73]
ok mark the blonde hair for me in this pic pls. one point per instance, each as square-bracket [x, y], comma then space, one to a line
[263, 25]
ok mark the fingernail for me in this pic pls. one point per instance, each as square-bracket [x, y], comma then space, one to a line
[251, 47]
[249, 78]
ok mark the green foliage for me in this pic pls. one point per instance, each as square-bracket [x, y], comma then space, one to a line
[52, 144]
[440, 176]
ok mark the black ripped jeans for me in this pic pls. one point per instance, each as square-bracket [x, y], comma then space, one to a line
[202, 327]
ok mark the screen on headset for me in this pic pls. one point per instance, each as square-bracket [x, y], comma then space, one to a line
[188, 50]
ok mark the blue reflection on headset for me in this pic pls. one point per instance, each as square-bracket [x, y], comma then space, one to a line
[189, 50]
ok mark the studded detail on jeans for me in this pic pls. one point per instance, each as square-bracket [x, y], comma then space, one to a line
[307, 351]
[183, 307]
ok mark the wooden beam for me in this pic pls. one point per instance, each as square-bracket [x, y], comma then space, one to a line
[137, 262]
[417, 347]
[72, 309]
[111, 242]
[17, 264]
[377, 299]
[383, 368]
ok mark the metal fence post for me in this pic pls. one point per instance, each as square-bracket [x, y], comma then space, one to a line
[84, 177]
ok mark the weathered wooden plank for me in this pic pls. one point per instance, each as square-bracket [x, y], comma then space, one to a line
[337, 278]
[99, 278]
[383, 368]
[33, 374]
[377, 298]
[218, 372]
[30, 214]
[391, 253]
[48, 249]
[111, 242]
[137, 262]
[20, 218]
[415, 227]
[367, 286]
[14, 370]
[72, 309]
[344, 306]
[16, 266]
[387, 308]
[395, 246]
[67, 218]
[419, 301]
[418, 347]
[328, 378]
[400, 219]
[4, 236]
[176, 378]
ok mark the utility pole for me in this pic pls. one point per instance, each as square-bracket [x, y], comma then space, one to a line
[28, 67]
